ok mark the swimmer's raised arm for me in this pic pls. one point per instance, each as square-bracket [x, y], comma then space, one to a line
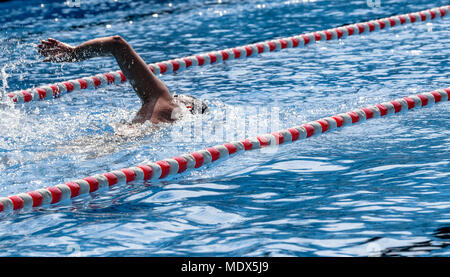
[57, 51]
[157, 103]
[154, 94]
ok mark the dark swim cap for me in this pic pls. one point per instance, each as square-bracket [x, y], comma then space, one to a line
[194, 105]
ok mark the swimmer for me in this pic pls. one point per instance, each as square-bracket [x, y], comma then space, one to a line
[158, 105]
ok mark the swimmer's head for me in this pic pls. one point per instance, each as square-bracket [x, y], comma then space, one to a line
[194, 105]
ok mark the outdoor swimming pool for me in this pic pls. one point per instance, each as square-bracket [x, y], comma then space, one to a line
[380, 187]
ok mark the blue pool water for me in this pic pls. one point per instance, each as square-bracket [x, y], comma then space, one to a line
[378, 188]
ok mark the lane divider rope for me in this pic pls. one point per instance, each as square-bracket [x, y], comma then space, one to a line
[171, 167]
[215, 57]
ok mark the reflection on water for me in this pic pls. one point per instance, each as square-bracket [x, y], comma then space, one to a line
[423, 248]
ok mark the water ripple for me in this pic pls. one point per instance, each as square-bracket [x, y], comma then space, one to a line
[379, 188]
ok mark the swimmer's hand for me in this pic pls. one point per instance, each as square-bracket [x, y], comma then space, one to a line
[56, 51]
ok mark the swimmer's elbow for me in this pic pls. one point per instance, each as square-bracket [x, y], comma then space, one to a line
[118, 40]
[117, 43]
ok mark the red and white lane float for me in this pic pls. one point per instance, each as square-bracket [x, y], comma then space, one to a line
[176, 165]
[215, 57]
